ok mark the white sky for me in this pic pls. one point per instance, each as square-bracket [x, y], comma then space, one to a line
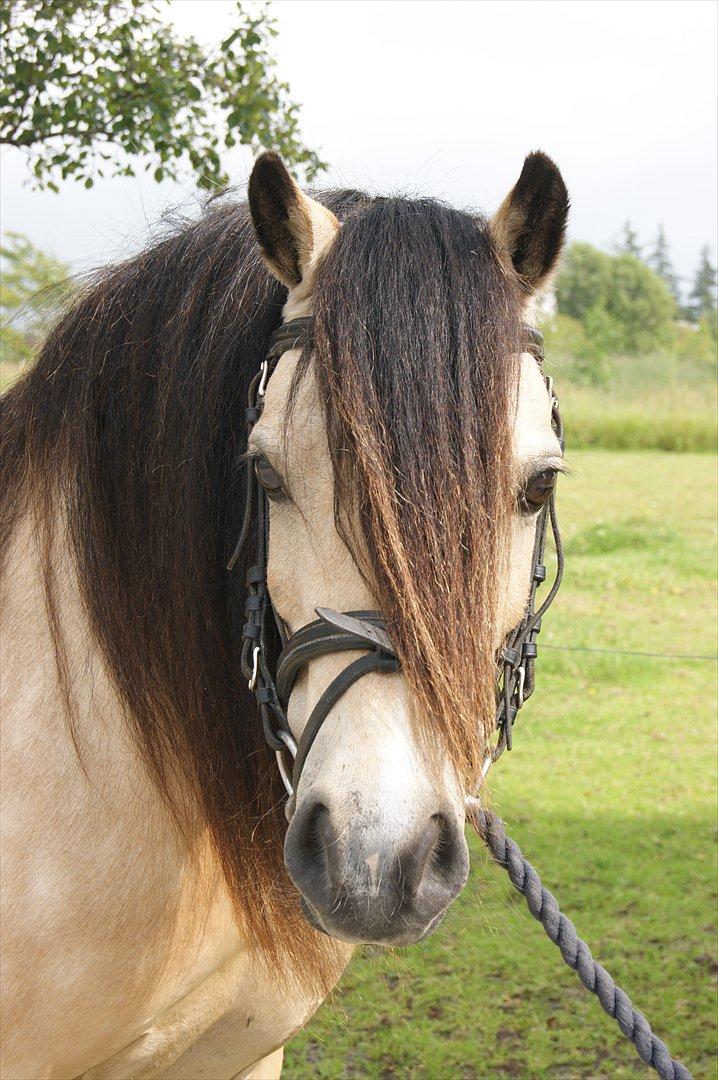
[446, 98]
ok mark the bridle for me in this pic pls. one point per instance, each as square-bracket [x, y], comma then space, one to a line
[271, 679]
[366, 631]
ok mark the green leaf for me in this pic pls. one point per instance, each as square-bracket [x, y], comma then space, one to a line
[80, 90]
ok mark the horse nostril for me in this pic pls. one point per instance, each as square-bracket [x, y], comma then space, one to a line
[448, 848]
[438, 857]
[307, 848]
[311, 837]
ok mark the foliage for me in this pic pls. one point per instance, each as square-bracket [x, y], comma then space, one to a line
[88, 86]
[32, 286]
[659, 261]
[623, 304]
[703, 294]
[609, 791]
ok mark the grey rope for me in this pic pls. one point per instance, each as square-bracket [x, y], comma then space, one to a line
[543, 906]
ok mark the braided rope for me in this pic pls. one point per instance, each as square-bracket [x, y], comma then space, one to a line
[543, 906]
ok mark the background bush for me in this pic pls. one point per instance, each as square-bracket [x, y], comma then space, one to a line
[623, 304]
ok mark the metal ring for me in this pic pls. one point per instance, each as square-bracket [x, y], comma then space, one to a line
[288, 739]
[472, 802]
[263, 381]
[255, 669]
[291, 746]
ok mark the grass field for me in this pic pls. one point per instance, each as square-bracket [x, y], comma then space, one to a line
[657, 401]
[610, 791]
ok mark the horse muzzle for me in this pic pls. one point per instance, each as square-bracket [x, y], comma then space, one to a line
[361, 887]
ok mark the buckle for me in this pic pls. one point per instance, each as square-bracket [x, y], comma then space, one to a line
[255, 669]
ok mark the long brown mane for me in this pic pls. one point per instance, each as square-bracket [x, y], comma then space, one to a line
[131, 425]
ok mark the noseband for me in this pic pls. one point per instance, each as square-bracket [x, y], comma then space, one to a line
[271, 680]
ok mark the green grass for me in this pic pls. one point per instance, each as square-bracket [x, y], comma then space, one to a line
[673, 418]
[664, 400]
[610, 791]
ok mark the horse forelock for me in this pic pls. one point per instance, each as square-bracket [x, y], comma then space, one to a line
[416, 345]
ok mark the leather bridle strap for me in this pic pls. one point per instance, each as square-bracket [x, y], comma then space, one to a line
[333, 632]
[378, 662]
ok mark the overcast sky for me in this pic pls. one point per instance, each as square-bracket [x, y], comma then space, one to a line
[446, 99]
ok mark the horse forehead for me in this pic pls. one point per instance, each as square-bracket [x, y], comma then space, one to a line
[533, 432]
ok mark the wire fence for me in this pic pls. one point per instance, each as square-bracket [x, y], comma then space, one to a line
[629, 652]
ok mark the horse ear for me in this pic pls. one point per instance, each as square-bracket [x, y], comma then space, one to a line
[293, 230]
[530, 225]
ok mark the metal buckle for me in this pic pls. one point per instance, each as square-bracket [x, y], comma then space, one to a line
[263, 381]
[291, 746]
[521, 673]
[255, 669]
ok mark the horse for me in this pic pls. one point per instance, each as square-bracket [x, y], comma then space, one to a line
[167, 912]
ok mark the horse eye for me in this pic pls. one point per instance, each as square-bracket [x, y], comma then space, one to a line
[537, 491]
[268, 477]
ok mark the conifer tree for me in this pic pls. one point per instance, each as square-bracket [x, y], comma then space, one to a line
[628, 244]
[703, 294]
[660, 261]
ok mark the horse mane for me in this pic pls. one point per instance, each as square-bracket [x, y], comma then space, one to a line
[131, 425]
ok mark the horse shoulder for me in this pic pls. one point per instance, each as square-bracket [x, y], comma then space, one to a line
[116, 930]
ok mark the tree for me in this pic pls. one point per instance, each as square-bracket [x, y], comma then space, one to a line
[33, 286]
[628, 244]
[89, 85]
[660, 261]
[702, 300]
[623, 304]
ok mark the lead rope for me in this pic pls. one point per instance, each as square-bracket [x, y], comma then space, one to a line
[543, 906]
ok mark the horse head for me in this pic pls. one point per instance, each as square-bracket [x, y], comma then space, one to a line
[403, 456]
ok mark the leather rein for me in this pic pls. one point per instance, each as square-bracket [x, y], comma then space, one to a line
[271, 680]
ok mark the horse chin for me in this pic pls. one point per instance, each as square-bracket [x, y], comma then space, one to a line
[315, 922]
